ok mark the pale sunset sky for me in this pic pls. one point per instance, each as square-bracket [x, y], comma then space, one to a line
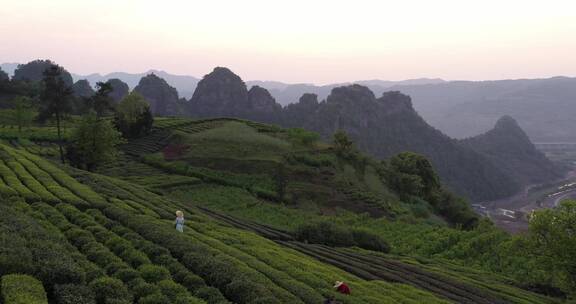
[297, 40]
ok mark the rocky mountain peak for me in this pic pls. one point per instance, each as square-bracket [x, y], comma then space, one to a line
[355, 94]
[163, 98]
[82, 88]
[507, 123]
[219, 93]
[508, 146]
[33, 71]
[395, 102]
[260, 99]
[308, 99]
[119, 89]
[223, 73]
[506, 132]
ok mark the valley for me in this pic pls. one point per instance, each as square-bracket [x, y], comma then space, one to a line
[512, 214]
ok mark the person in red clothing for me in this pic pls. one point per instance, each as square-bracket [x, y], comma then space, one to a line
[342, 288]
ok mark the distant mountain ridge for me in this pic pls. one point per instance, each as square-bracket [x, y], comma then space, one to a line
[489, 166]
[289, 93]
[510, 149]
[544, 108]
[383, 127]
[284, 93]
[184, 84]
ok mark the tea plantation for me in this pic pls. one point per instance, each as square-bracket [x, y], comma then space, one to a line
[72, 236]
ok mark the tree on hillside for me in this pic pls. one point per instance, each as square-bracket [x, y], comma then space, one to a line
[303, 137]
[23, 112]
[133, 117]
[56, 99]
[412, 175]
[102, 102]
[553, 235]
[93, 143]
[409, 163]
[342, 144]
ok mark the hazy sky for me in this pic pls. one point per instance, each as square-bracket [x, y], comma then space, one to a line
[298, 40]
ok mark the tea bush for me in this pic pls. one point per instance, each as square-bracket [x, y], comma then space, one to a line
[110, 290]
[153, 273]
[331, 234]
[74, 294]
[22, 289]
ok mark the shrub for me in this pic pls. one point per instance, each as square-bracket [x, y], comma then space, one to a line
[211, 295]
[152, 273]
[173, 290]
[155, 250]
[326, 233]
[14, 255]
[135, 257]
[370, 241]
[303, 137]
[22, 289]
[54, 264]
[331, 234]
[6, 191]
[116, 266]
[109, 290]
[127, 275]
[121, 230]
[99, 232]
[74, 294]
[191, 281]
[117, 244]
[243, 289]
[141, 288]
[100, 255]
[92, 271]
[217, 271]
[156, 298]
[265, 300]
[79, 237]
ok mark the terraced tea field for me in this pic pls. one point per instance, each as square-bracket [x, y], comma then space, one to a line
[117, 239]
[371, 266]
[109, 237]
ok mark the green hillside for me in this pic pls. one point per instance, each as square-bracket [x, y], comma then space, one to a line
[108, 236]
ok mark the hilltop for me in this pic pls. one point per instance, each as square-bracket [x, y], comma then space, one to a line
[508, 146]
[381, 126]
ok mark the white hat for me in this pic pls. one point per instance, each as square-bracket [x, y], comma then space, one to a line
[338, 283]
